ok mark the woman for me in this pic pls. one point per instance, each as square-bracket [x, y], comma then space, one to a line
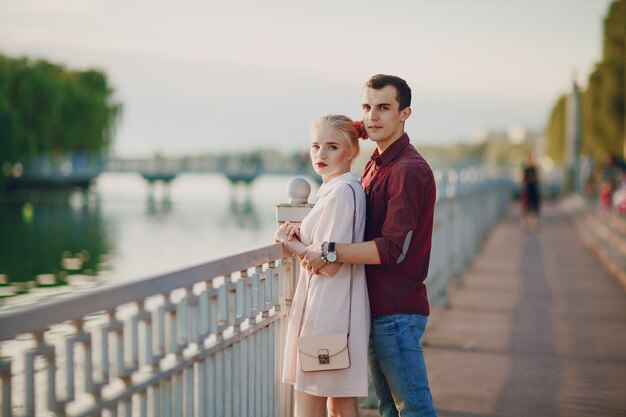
[334, 145]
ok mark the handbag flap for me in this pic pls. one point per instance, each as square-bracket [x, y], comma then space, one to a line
[333, 342]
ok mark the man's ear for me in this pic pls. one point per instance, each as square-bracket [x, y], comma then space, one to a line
[404, 114]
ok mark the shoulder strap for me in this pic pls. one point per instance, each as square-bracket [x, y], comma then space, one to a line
[308, 286]
[352, 265]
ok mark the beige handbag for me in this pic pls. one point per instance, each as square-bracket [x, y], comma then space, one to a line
[324, 352]
[330, 351]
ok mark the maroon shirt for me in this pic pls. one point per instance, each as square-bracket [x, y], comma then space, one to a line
[400, 190]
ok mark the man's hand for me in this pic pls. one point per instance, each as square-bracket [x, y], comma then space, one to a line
[312, 259]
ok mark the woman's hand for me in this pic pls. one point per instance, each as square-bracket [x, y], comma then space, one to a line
[292, 231]
[281, 234]
[287, 232]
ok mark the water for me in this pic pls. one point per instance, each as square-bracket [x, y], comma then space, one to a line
[122, 232]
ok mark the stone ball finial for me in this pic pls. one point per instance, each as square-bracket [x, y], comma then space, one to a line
[298, 190]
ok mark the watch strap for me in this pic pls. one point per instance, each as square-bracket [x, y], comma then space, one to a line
[331, 247]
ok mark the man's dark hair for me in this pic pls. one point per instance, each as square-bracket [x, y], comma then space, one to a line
[403, 91]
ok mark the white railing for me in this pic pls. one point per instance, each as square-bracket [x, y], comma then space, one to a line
[464, 215]
[204, 341]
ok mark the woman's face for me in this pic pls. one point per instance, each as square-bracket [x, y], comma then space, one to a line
[331, 155]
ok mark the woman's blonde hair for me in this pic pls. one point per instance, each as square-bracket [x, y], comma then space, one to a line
[344, 125]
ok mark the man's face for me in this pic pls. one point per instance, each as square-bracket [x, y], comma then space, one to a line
[383, 120]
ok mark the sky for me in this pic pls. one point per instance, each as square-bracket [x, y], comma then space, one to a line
[216, 76]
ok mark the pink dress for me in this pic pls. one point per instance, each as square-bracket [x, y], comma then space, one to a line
[328, 300]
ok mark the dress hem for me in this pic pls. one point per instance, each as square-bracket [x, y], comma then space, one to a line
[318, 394]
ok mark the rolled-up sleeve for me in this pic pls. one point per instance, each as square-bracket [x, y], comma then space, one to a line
[406, 189]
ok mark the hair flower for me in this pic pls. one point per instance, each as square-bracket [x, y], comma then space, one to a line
[360, 128]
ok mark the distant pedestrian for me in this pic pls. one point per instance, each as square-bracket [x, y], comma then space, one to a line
[605, 196]
[530, 198]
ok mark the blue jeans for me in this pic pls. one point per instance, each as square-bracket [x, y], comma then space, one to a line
[396, 362]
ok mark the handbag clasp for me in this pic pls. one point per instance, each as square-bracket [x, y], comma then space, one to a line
[323, 356]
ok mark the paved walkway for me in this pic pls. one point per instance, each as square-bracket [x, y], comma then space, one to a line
[537, 328]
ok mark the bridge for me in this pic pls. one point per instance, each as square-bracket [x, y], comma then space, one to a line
[522, 324]
[81, 169]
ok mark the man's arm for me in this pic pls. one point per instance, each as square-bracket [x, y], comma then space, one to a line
[358, 253]
[405, 200]
[354, 253]
[289, 236]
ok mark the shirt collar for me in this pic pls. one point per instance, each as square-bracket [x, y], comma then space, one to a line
[343, 178]
[391, 152]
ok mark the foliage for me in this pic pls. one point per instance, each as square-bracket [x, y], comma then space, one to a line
[593, 128]
[603, 102]
[454, 155]
[504, 153]
[48, 109]
[612, 68]
[495, 152]
[555, 132]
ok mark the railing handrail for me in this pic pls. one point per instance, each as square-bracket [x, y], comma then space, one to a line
[36, 318]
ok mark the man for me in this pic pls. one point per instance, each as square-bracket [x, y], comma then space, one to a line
[400, 191]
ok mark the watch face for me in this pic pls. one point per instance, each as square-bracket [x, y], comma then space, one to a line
[331, 256]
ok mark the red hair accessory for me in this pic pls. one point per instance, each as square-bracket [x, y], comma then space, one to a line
[360, 128]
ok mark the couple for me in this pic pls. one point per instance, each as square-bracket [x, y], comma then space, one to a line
[389, 261]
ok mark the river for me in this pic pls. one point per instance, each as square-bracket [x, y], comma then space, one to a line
[120, 231]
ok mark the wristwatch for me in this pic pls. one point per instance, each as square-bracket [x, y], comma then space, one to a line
[331, 254]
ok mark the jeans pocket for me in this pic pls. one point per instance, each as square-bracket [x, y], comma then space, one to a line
[417, 326]
[418, 322]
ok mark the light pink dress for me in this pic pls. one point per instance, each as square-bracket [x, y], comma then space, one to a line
[328, 300]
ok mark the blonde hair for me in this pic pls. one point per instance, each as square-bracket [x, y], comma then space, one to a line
[344, 125]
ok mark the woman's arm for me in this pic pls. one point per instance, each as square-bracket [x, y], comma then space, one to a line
[288, 235]
[285, 234]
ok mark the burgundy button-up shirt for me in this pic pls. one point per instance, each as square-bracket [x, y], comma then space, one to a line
[400, 191]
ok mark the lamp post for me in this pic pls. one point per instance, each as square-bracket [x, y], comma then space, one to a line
[573, 140]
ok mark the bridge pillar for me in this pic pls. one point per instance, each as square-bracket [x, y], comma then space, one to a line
[165, 179]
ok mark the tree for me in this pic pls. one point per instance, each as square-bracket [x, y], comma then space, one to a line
[593, 128]
[46, 109]
[603, 102]
[611, 100]
[555, 132]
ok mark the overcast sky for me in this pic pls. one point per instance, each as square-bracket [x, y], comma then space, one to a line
[198, 76]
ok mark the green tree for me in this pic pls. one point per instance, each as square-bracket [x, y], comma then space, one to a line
[614, 83]
[603, 104]
[48, 109]
[593, 128]
[555, 132]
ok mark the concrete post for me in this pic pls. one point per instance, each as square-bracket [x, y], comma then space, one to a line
[298, 191]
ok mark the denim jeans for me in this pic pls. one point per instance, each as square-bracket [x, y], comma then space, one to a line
[396, 362]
